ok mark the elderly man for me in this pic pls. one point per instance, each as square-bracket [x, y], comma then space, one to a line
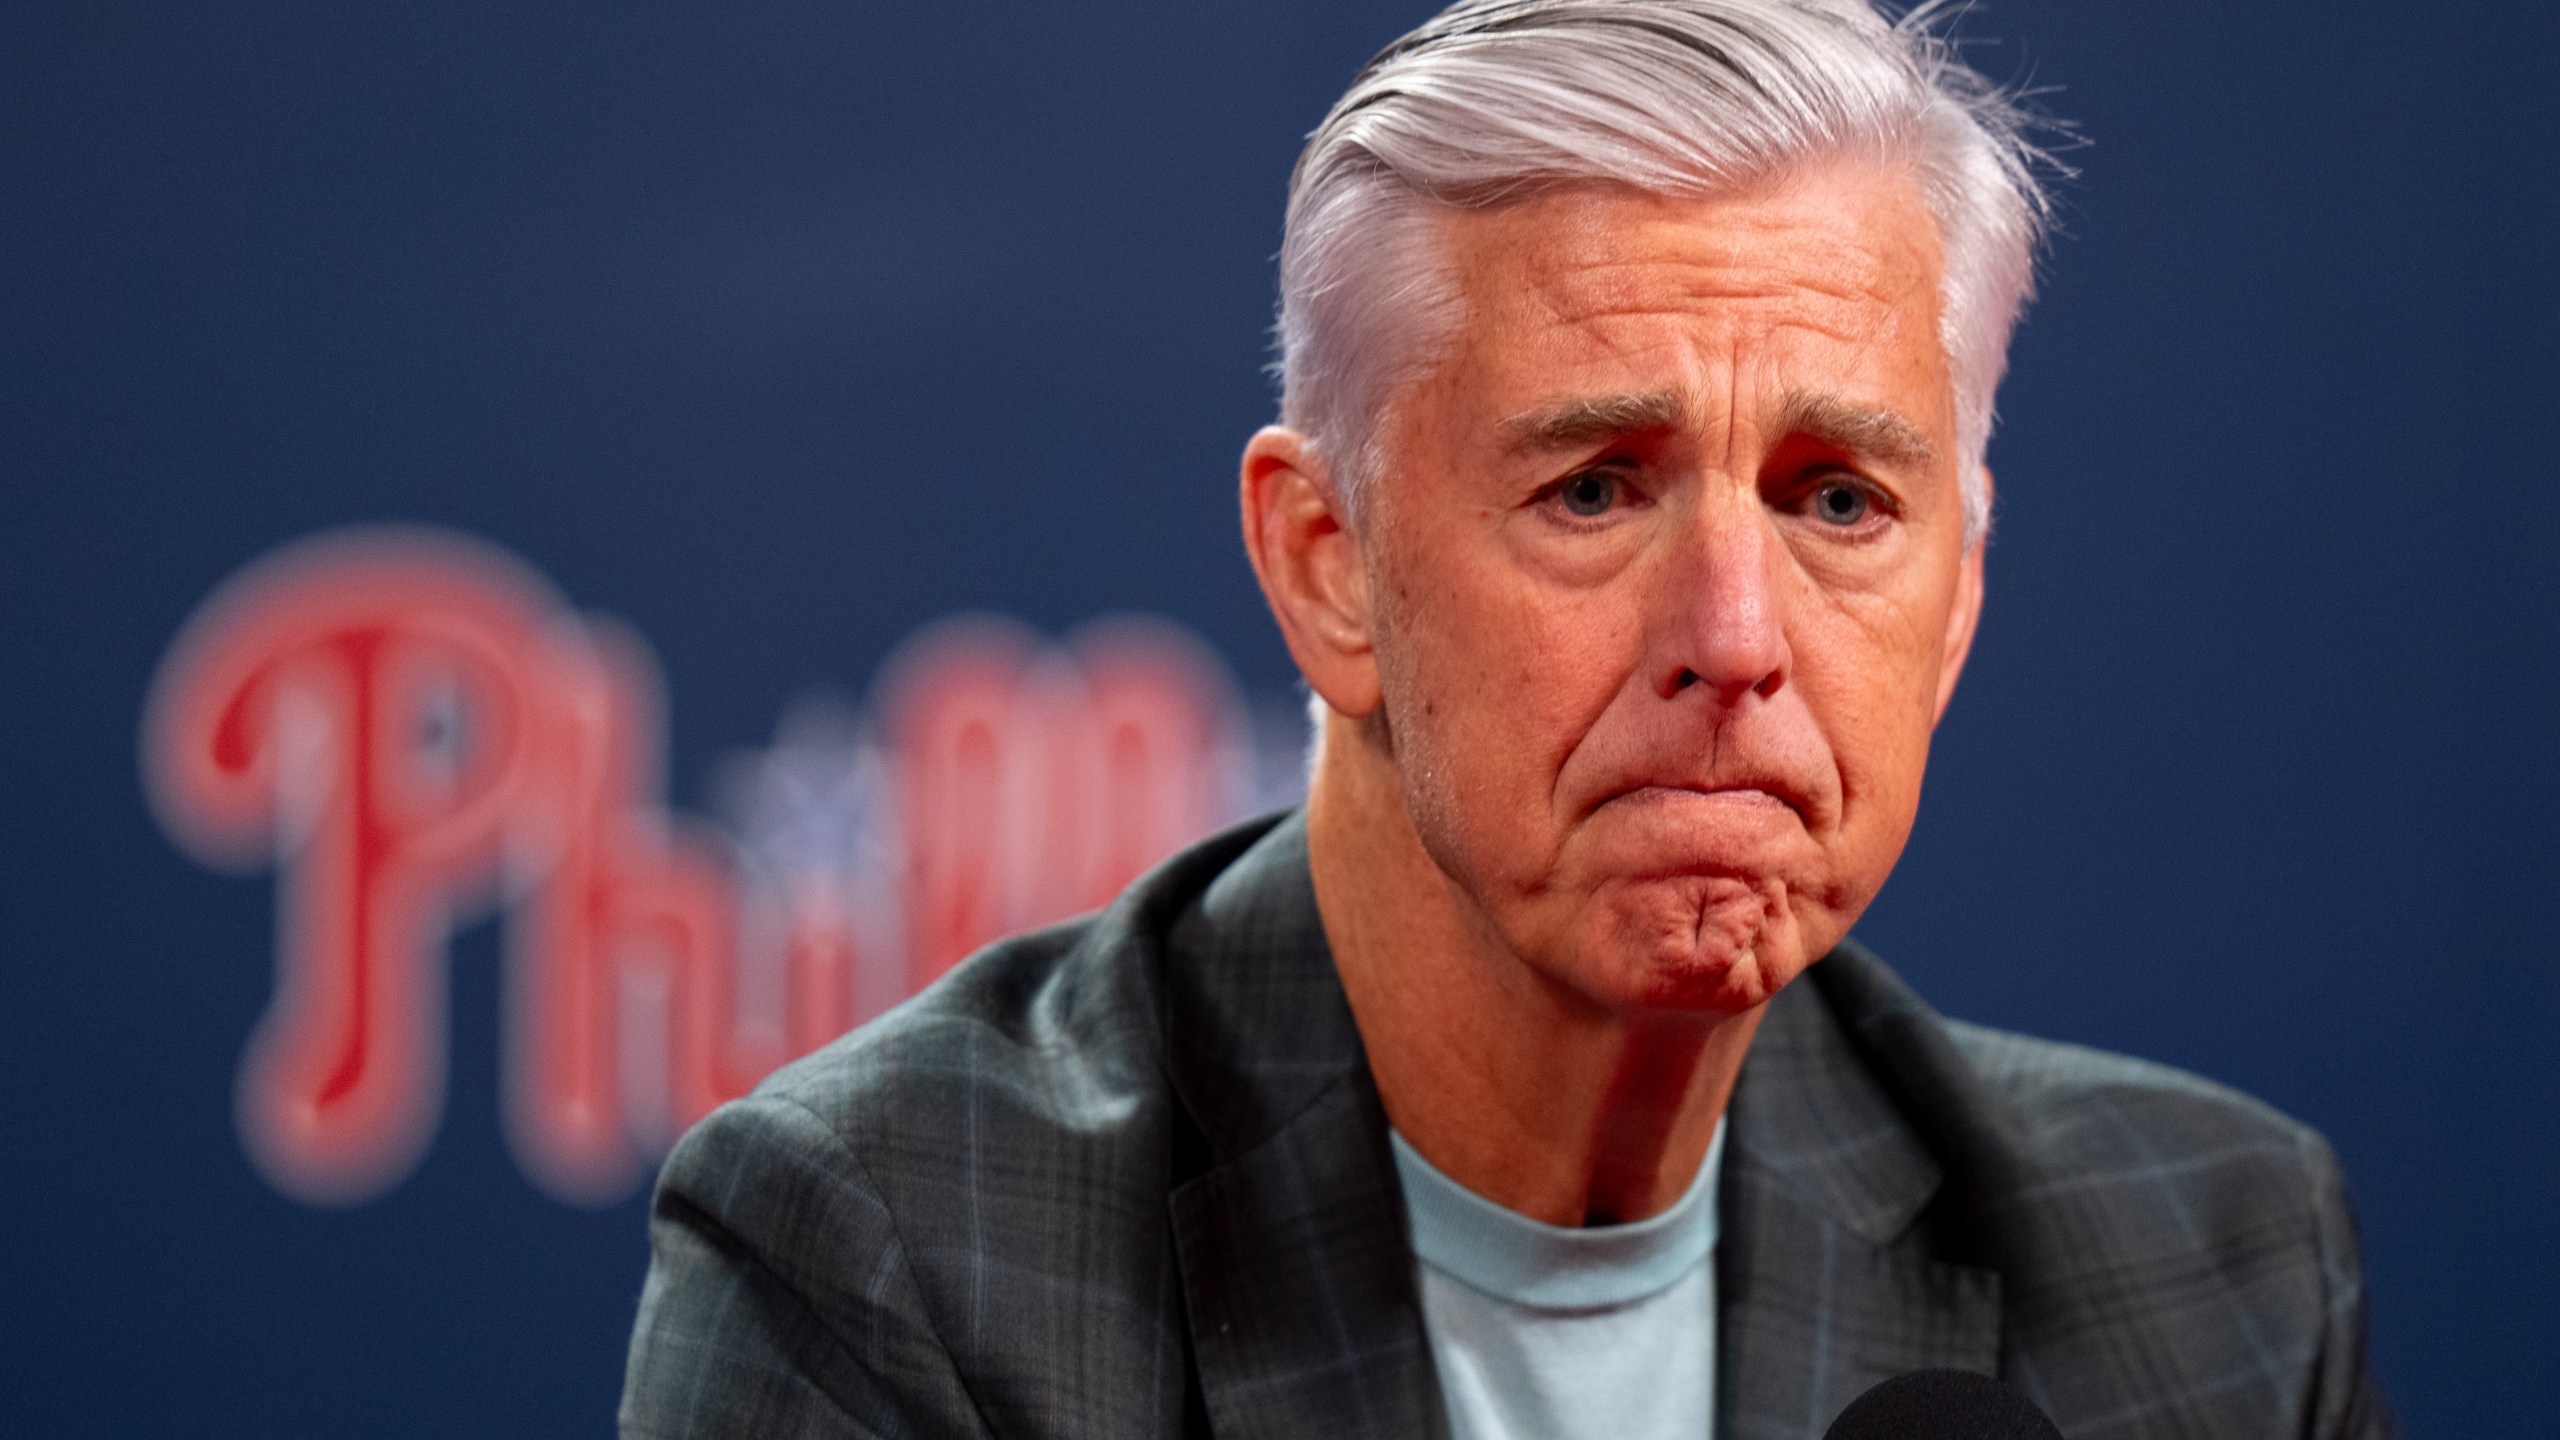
[1627, 522]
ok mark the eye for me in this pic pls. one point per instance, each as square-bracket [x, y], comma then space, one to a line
[1593, 492]
[1841, 503]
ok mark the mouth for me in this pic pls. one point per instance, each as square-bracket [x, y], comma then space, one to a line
[1742, 796]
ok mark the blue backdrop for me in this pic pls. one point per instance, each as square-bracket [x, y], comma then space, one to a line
[780, 329]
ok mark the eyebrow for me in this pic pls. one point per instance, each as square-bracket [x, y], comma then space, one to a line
[1869, 432]
[1572, 424]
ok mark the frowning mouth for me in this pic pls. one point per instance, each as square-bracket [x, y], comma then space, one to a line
[1743, 795]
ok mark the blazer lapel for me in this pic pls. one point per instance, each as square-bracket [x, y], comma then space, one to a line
[1303, 1306]
[1826, 1278]
[1842, 1260]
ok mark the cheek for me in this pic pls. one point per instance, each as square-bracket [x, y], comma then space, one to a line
[1872, 676]
[1489, 690]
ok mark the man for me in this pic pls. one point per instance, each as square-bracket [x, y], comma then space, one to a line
[1626, 520]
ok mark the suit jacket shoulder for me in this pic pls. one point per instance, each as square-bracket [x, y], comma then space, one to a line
[950, 1221]
[2077, 1102]
[1130, 1176]
[2171, 1256]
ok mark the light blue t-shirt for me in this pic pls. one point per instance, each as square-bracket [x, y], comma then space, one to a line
[1543, 1332]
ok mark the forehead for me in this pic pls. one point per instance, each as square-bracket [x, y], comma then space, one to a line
[1827, 283]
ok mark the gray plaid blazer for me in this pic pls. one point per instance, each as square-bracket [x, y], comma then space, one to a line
[1130, 1177]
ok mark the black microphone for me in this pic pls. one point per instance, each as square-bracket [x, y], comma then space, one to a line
[1942, 1405]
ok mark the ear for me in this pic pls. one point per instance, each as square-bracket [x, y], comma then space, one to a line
[1309, 565]
[1963, 616]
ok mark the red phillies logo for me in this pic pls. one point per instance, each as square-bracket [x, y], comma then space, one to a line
[411, 727]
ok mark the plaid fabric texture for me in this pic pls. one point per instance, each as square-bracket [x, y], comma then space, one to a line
[1130, 1177]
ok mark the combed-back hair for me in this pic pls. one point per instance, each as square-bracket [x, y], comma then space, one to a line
[1497, 101]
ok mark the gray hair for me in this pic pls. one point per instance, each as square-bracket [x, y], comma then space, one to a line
[1496, 101]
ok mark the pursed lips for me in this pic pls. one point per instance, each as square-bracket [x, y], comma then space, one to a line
[1757, 794]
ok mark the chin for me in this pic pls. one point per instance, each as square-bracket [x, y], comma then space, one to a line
[1697, 943]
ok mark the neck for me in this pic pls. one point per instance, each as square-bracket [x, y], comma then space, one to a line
[1524, 1090]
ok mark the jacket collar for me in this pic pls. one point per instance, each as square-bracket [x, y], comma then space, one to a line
[1303, 1304]
[1840, 1258]
[1837, 1266]
[1256, 1024]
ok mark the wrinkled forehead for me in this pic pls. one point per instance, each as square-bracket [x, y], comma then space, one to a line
[1825, 283]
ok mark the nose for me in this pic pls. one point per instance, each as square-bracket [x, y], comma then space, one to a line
[1721, 626]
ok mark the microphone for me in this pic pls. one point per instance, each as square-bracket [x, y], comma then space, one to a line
[1942, 1405]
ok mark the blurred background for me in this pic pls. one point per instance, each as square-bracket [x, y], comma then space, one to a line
[715, 358]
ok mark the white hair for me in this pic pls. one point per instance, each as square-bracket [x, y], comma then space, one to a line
[1496, 101]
